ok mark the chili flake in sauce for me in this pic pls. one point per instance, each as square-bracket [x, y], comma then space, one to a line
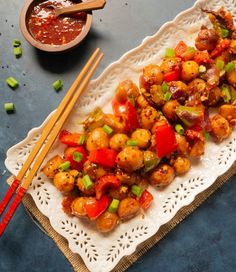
[49, 29]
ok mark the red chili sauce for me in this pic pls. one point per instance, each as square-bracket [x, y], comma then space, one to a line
[49, 29]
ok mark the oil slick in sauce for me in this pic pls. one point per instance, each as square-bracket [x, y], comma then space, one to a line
[49, 29]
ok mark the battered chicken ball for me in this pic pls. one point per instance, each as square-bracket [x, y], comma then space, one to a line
[162, 176]
[182, 144]
[169, 109]
[78, 206]
[128, 208]
[64, 182]
[93, 170]
[152, 74]
[148, 117]
[190, 70]
[113, 122]
[231, 77]
[197, 149]
[118, 141]
[82, 188]
[130, 159]
[206, 39]
[107, 221]
[228, 112]
[214, 96]
[142, 136]
[125, 89]
[51, 167]
[98, 138]
[169, 64]
[181, 165]
[127, 178]
[220, 127]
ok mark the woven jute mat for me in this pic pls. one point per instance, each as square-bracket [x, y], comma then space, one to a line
[77, 262]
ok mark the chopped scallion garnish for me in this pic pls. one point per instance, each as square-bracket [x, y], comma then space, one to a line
[57, 85]
[12, 82]
[205, 135]
[167, 96]
[82, 139]
[107, 129]
[220, 64]
[17, 52]
[9, 107]
[165, 87]
[16, 43]
[226, 93]
[132, 100]
[132, 142]
[136, 190]
[77, 156]
[87, 182]
[229, 67]
[64, 166]
[114, 205]
[179, 129]
[170, 53]
[224, 33]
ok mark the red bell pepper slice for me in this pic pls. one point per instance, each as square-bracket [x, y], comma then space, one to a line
[94, 208]
[130, 117]
[220, 47]
[180, 49]
[69, 139]
[201, 57]
[146, 199]
[104, 182]
[104, 156]
[69, 156]
[173, 75]
[118, 107]
[165, 140]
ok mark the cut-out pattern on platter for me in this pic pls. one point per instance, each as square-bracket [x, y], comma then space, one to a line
[102, 252]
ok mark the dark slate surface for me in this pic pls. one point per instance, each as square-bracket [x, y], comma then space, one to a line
[204, 242]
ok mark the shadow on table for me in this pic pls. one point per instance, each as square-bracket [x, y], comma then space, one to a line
[63, 62]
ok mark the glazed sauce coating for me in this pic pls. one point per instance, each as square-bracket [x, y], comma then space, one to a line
[49, 29]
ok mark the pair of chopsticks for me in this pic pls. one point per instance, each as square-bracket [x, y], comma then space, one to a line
[50, 132]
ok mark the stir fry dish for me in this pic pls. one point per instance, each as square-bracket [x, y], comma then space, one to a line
[156, 129]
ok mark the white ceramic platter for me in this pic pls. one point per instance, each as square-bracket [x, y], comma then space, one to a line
[102, 252]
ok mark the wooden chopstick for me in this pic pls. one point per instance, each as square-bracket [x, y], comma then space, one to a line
[53, 128]
[45, 133]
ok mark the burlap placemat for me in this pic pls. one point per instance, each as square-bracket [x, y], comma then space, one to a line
[77, 262]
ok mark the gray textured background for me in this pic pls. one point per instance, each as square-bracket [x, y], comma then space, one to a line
[205, 241]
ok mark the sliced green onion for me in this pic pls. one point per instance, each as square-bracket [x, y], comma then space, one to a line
[220, 64]
[229, 67]
[170, 53]
[16, 42]
[114, 205]
[226, 93]
[224, 32]
[191, 49]
[179, 129]
[17, 52]
[107, 129]
[136, 190]
[12, 82]
[77, 156]
[167, 96]
[202, 69]
[64, 166]
[88, 184]
[57, 85]
[206, 135]
[82, 139]
[132, 142]
[150, 164]
[165, 87]
[9, 107]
